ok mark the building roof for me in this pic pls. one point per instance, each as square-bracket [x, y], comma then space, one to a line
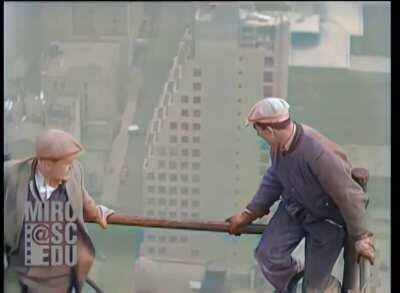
[80, 54]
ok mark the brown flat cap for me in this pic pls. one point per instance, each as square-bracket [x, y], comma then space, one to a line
[55, 144]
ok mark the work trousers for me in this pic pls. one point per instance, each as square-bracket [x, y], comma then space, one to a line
[323, 243]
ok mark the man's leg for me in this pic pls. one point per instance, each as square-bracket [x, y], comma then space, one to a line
[273, 253]
[324, 241]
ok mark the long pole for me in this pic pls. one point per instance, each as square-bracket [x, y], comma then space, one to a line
[212, 226]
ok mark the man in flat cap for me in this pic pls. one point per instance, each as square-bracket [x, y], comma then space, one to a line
[45, 207]
[319, 201]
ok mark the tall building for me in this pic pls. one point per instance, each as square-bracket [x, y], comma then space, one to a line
[202, 164]
[80, 82]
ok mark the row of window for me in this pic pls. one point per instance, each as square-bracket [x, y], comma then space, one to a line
[162, 250]
[163, 238]
[185, 113]
[172, 202]
[184, 139]
[173, 190]
[172, 215]
[184, 152]
[174, 177]
[173, 165]
[174, 152]
[185, 99]
[184, 126]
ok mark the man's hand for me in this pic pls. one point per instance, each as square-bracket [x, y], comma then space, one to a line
[239, 221]
[365, 248]
[102, 214]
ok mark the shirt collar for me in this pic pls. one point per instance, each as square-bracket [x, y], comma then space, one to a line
[295, 139]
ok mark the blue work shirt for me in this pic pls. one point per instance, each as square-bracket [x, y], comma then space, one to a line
[314, 177]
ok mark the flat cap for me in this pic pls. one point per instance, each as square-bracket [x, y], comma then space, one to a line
[55, 144]
[268, 110]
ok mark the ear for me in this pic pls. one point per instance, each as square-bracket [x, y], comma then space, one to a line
[270, 130]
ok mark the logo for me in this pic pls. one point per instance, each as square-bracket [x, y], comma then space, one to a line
[50, 234]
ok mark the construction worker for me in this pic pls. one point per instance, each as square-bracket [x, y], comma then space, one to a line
[319, 201]
[52, 179]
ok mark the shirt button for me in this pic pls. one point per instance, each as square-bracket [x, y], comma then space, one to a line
[326, 204]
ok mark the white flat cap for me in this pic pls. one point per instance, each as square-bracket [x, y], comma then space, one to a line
[268, 110]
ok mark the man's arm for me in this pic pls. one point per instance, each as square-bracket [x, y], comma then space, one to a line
[268, 192]
[336, 181]
[92, 211]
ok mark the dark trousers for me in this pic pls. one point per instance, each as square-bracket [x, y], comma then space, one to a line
[323, 243]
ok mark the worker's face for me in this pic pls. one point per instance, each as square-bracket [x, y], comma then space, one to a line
[268, 134]
[57, 170]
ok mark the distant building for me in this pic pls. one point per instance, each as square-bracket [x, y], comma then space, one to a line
[202, 164]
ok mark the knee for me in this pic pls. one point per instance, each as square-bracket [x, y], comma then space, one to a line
[270, 256]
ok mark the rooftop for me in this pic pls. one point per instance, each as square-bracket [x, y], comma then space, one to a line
[78, 54]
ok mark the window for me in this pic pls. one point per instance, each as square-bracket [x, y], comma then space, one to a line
[173, 125]
[173, 152]
[197, 72]
[268, 91]
[162, 214]
[184, 190]
[161, 151]
[173, 238]
[184, 165]
[195, 215]
[162, 189]
[161, 176]
[161, 164]
[196, 100]
[150, 213]
[196, 113]
[63, 85]
[269, 61]
[173, 165]
[197, 86]
[185, 113]
[172, 215]
[185, 99]
[173, 139]
[195, 203]
[184, 215]
[185, 139]
[195, 178]
[184, 203]
[185, 126]
[268, 76]
[196, 126]
[151, 189]
[195, 190]
[161, 238]
[185, 153]
[55, 84]
[173, 202]
[150, 176]
[151, 250]
[196, 139]
[162, 250]
[151, 201]
[173, 190]
[173, 177]
[240, 85]
[240, 58]
[195, 153]
[184, 177]
[85, 86]
[183, 238]
[151, 237]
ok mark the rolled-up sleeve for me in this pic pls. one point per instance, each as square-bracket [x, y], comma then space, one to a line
[335, 179]
[268, 192]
